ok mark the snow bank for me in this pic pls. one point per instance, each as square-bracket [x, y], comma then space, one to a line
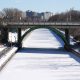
[6, 57]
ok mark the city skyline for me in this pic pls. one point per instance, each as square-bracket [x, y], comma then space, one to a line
[54, 6]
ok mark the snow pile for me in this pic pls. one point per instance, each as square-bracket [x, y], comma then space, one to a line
[13, 35]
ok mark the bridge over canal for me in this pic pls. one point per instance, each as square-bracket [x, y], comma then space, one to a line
[42, 57]
[20, 25]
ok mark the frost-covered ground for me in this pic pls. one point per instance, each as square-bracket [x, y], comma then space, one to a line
[35, 62]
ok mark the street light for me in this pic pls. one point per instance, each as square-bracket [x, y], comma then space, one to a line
[67, 17]
[71, 9]
[70, 14]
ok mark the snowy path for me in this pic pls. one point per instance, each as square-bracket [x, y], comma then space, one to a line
[42, 64]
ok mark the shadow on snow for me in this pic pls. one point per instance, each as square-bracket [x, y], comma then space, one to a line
[48, 51]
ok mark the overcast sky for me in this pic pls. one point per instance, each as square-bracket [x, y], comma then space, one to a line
[41, 5]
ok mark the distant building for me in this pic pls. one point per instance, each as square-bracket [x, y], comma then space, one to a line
[30, 13]
[32, 16]
[46, 15]
[35, 16]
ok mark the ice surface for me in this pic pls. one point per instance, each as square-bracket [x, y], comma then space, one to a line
[42, 64]
[43, 38]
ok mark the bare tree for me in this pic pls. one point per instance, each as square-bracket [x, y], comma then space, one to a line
[12, 14]
[1, 16]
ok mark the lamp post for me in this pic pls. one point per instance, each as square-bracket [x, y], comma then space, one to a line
[71, 9]
[70, 14]
[67, 17]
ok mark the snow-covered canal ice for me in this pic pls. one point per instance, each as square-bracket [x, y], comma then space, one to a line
[43, 38]
[41, 63]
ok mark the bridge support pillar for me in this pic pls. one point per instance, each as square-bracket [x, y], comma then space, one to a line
[4, 35]
[19, 38]
[67, 36]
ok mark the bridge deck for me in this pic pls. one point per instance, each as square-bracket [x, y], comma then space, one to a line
[30, 24]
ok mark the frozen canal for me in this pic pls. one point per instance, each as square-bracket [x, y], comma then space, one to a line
[43, 38]
[38, 63]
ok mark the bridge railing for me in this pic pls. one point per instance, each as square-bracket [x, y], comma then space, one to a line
[54, 24]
